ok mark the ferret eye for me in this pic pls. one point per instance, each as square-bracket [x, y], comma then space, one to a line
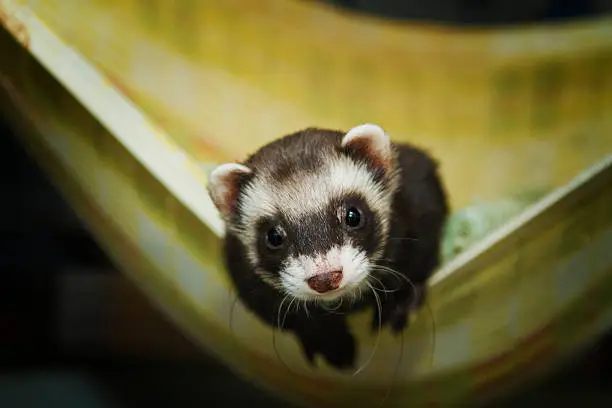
[274, 238]
[353, 218]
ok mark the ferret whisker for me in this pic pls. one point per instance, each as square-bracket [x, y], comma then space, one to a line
[287, 310]
[388, 260]
[396, 274]
[382, 289]
[274, 331]
[355, 295]
[415, 290]
[231, 315]
[395, 372]
[433, 333]
[379, 311]
[279, 312]
[333, 310]
[374, 288]
[403, 239]
[306, 311]
[297, 305]
[278, 356]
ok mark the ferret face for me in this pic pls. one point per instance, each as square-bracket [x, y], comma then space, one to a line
[312, 209]
[314, 247]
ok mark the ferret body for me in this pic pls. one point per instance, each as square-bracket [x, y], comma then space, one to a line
[319, 221]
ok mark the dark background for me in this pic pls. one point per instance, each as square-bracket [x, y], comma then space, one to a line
[477, 12]
[57, 346]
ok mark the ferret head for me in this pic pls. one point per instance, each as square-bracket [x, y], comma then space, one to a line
[312, 209]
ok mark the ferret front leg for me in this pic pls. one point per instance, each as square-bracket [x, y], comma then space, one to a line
[330, 337]
[397, 306]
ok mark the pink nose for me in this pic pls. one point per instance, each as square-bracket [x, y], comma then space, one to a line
[325, 282]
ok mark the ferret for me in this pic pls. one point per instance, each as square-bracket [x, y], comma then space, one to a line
[323, 219]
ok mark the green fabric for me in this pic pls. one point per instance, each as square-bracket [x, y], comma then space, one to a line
[468, 225]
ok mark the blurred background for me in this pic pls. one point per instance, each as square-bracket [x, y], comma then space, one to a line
[74, 332]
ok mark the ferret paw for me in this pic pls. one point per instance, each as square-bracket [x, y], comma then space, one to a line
[396, 317]
[399, 320]
[339, 350]
[396, 314]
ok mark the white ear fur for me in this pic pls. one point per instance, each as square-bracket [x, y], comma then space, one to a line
[222, 186]
[371, 140]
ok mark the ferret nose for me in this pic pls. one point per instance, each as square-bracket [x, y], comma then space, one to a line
[325, 282]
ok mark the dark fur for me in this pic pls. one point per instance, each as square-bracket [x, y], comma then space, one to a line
[419, 212]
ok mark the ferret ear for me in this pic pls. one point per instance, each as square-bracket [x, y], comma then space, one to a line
[224, 185]
[369, 142]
